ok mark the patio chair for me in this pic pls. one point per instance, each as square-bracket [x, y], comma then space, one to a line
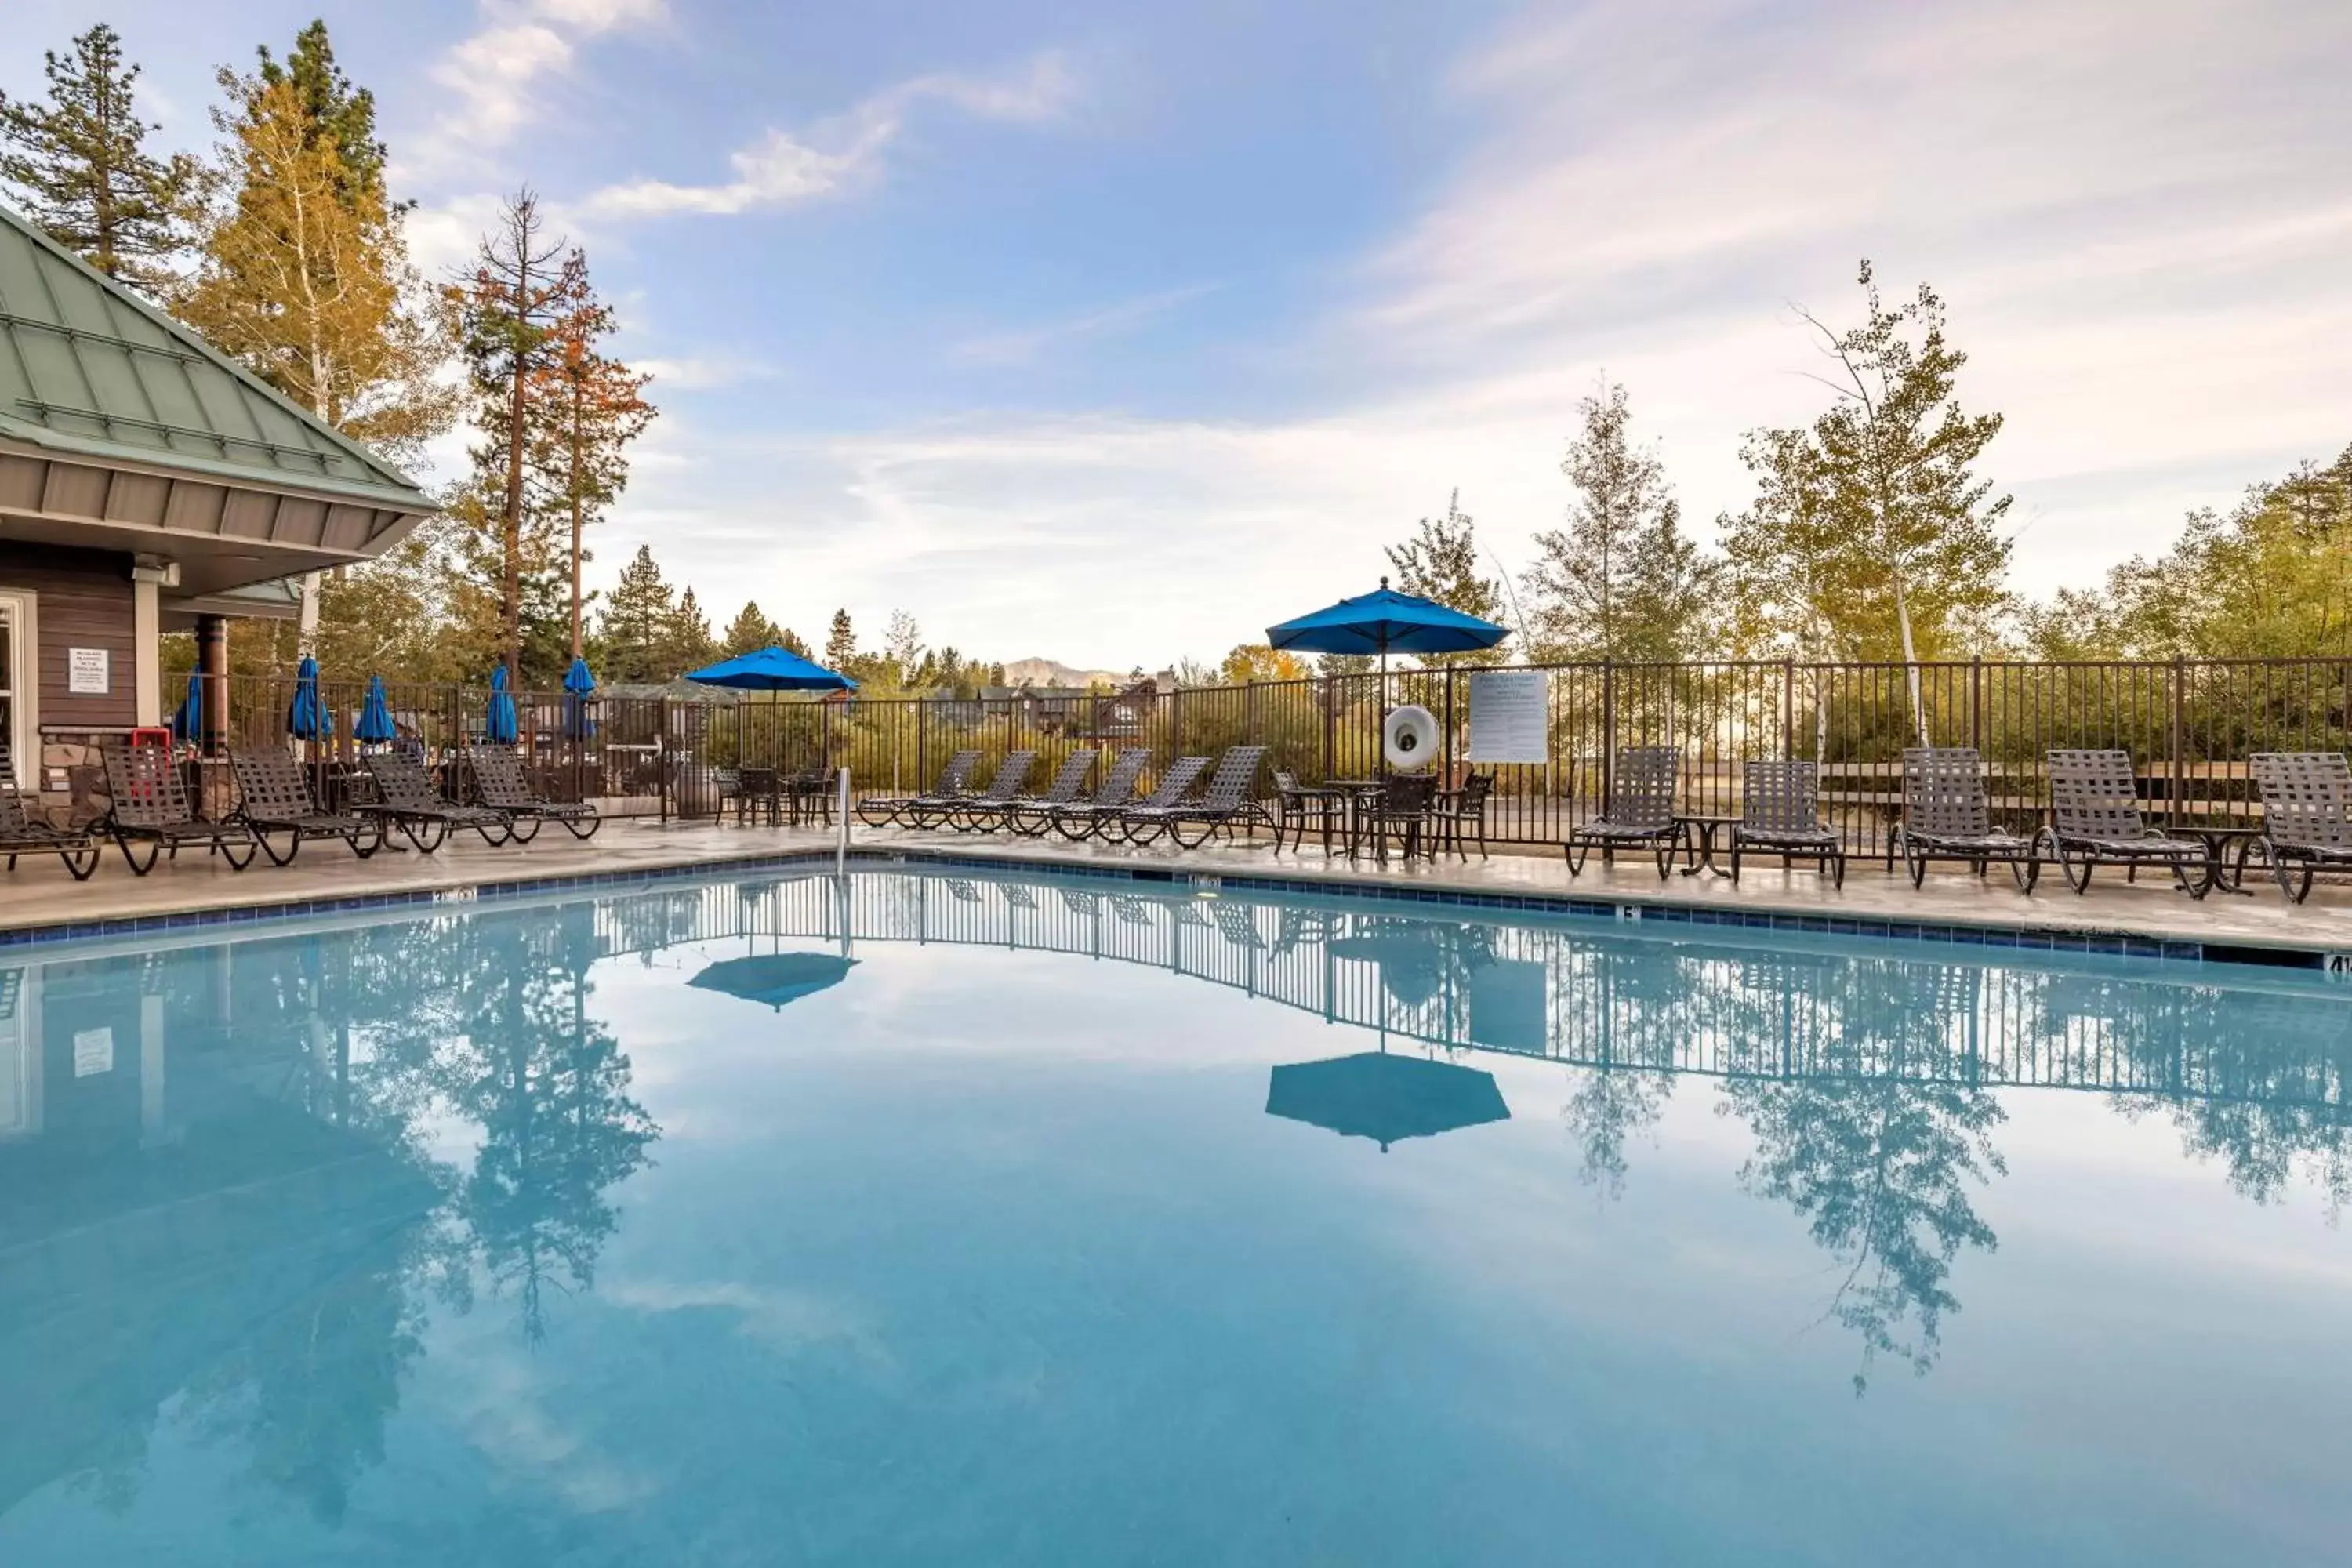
[406, 799]
[1947, 816]
[1780, 814]
[1230, 801]
[1457, 810]
[274, 798]
[970, 813]
[2306, 815]
[1402, 806]
[2095, 820]
[1067, 781]
[499, 786]
[1298, 807]
[150, 808]
[954, 783]
[1641, 812]
[1173, 787]
[1080, 820]
[22, 833]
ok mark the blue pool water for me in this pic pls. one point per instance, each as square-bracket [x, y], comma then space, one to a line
[920, 1219]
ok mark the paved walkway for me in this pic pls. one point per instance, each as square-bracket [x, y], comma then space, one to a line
[39, 893]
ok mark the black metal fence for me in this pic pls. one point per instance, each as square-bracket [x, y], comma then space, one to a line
[2189, 726]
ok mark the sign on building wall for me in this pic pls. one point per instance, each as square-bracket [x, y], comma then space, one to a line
[1509, 716]
[86, 671]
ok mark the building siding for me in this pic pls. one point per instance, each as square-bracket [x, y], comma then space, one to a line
[85, 600]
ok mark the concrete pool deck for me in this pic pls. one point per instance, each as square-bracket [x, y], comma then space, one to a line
[39, 897]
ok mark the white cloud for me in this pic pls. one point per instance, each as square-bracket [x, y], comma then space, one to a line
[498, 73]
[784, 168]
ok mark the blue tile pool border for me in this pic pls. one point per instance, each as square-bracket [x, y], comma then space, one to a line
[2022, 937]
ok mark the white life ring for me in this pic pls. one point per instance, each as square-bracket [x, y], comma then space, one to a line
[1409, 738]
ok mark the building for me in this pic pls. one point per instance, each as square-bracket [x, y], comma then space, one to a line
[147, 484]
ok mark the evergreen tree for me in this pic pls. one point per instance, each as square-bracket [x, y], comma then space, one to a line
[841, 645]
[636, 627]
[593, 408]
[1440, 562]
[688, 643]
[338, 115]
[750, 632]
[78, 166]
[791, 642]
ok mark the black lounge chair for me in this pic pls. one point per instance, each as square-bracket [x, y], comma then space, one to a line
[1780, 814]
[1947, 816]
[406, 799]
[2095, 820]
[2306, 815]
[896, 810]
[1080, 820]
[1173, 787]
[21, 833]
[150, 808]
[1228, 802]
[1641, 812]
[1029, 815]
[274, 798]
[974, 812]
[499, 786]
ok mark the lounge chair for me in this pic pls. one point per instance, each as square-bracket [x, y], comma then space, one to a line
[1067, 781]
[150, 808]
[406, 799]
[1173, 787]
[1780, 814]
[22, 833]
[2306, 815]
[499, 786]
[955, 783]
[1640, 812]
[1947, 816]
[2095, 820]
[274, 798]
[974, 811]
[1081, 819]
[1229, 801]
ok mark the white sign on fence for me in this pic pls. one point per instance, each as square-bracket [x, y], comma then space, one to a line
[93, 1051]
[1509, 716]
[86, 671]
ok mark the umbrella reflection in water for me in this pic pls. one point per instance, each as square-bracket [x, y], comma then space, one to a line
[1385, 1098]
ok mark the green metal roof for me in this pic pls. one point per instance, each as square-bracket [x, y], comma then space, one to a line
[87, 367]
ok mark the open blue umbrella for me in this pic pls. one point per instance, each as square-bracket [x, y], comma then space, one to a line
[774, 978]
[1384, 622]
[1383, 1098]
[308, 718]
[578, 686]
[772, 669]
[498, 726]
[188, 722]
[374, 727]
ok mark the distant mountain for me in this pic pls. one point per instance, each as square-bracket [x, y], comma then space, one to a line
[1052, 672]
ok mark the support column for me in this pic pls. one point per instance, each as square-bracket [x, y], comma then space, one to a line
[146, 655]
[212, 663]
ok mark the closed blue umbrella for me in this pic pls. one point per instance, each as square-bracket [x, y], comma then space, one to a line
[578, 684]
[188, 722]
[308, 718]
[772, 669]
[498, 726]
[374, 727]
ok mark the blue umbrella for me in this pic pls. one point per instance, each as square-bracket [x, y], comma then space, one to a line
[308, 718]
[374, 727]
[774, 978]
[188, 722]
[1385, 621]
[1383, 1098]
[772, 669]
[498, 726]
[578, 685]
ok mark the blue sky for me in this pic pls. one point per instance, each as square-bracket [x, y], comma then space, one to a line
[1114, 332]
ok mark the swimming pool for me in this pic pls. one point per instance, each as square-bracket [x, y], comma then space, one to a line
[919, 1217]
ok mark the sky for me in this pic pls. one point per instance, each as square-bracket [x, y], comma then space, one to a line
[1115, 332]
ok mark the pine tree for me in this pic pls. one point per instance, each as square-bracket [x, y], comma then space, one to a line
[841, 647]
[1440, 562]
[338, 115]
[791, 642]
[78, 164]
[638, 616]
[749, 632]
[1597, 581]
[687, 643]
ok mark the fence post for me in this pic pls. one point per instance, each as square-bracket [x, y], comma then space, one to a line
[2179, 761]
[1445, 765]
[1788, 710]
[1608, 732]
[1976, 703]
[1175, 724]
[1249, 712]
[922, 710]
[1331, 721]
[661, 752]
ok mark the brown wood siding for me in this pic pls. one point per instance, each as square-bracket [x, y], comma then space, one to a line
[84, 600]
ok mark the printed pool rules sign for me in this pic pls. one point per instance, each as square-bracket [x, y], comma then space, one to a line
[1509, 716]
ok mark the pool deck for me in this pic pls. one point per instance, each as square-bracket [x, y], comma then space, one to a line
[39, 898]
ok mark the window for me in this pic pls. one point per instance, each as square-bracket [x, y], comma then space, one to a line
[14, 668]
